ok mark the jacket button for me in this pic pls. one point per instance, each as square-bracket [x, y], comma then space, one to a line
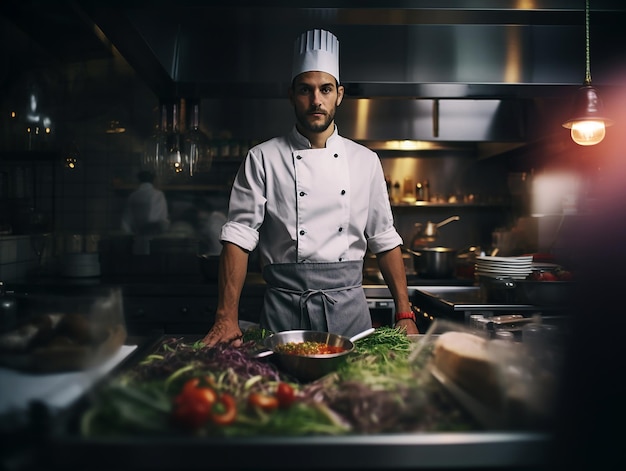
[302, 232]
[343, 192]
[340, 229]
[336, 155]
[299, 157]
[302, 193]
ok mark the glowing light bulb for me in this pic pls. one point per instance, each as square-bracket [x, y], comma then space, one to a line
[588, 133]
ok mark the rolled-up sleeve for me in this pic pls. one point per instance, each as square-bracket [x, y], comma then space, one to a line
[239, 234]
[246, 207]
[384, 241]
[381, 232]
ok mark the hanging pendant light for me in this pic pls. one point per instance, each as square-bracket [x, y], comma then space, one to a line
[196, 144]
[177, 160]
[588, 123]
[154, 155]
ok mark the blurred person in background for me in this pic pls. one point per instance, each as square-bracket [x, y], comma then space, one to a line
[210, 222]
[146, 213]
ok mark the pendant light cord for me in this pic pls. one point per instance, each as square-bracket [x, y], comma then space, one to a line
[587, 52]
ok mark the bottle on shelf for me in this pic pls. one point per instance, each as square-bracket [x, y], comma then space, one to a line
[426, 189]
[396, 192]
[419, 191]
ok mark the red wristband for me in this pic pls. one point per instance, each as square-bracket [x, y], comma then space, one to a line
[405, 315]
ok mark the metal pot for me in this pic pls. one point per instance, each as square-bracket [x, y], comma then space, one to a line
[427, 235]
[431, 228]
[309, 367]
[434, 262]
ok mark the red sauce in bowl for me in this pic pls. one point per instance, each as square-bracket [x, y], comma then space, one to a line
[308, 348]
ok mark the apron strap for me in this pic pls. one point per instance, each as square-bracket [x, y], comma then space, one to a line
[306, 295]
[328, 295]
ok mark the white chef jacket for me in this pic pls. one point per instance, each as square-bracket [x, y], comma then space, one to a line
[300, 204]
[145, 205]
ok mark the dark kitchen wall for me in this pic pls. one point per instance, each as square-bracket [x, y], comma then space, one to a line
[81, 102]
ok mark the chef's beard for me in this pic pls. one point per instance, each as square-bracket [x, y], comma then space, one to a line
[317, 126]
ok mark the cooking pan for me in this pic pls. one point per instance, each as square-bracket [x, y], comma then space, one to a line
[309, 367]
[434, 262]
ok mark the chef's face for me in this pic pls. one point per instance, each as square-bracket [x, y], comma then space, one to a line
[315, 97]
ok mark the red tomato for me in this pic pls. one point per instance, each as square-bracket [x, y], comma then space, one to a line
[191, 384]
[264, 401]
[197, 382]
[285, 395]
[192, 407]
[548, 276]
[542, 276]
[207, 395]
[224, 411]
[191, 411]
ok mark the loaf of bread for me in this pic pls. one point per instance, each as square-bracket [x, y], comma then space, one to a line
[464, 359]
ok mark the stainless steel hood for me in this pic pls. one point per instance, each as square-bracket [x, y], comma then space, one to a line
[519, 59]
[436, 49]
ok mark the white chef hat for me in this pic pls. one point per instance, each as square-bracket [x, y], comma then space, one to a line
[317, 50]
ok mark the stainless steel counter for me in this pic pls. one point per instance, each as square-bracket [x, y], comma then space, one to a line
[458, 303]
[489, 450]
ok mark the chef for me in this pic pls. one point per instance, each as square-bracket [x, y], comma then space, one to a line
[145, 214]
[312, 202]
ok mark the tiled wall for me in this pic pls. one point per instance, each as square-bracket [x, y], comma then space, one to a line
[80, 200]
[19, 255]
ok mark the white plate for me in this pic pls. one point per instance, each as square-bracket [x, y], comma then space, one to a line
[489, 267]
[516, 276]
[504, 267]
[504, 270]
[524, 259]
[507, 263]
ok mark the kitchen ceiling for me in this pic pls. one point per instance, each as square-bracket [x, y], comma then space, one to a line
[527, 53]
[445, 49]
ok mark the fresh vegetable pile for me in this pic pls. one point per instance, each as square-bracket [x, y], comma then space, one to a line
[188, 388]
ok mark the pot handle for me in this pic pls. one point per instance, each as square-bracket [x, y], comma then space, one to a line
[363, 334]
[412, 252]
[446, 221]
[263, 353]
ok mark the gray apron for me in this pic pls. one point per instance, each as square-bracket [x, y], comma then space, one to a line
[328, 297]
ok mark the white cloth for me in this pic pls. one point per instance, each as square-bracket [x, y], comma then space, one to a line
[145, 215]
[56, 390]
[310, 205]
[145, 205]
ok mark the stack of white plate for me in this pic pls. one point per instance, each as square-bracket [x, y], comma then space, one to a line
[517, 268]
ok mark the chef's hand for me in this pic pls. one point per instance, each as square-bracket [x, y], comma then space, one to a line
[224, 331]
[408, 325]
